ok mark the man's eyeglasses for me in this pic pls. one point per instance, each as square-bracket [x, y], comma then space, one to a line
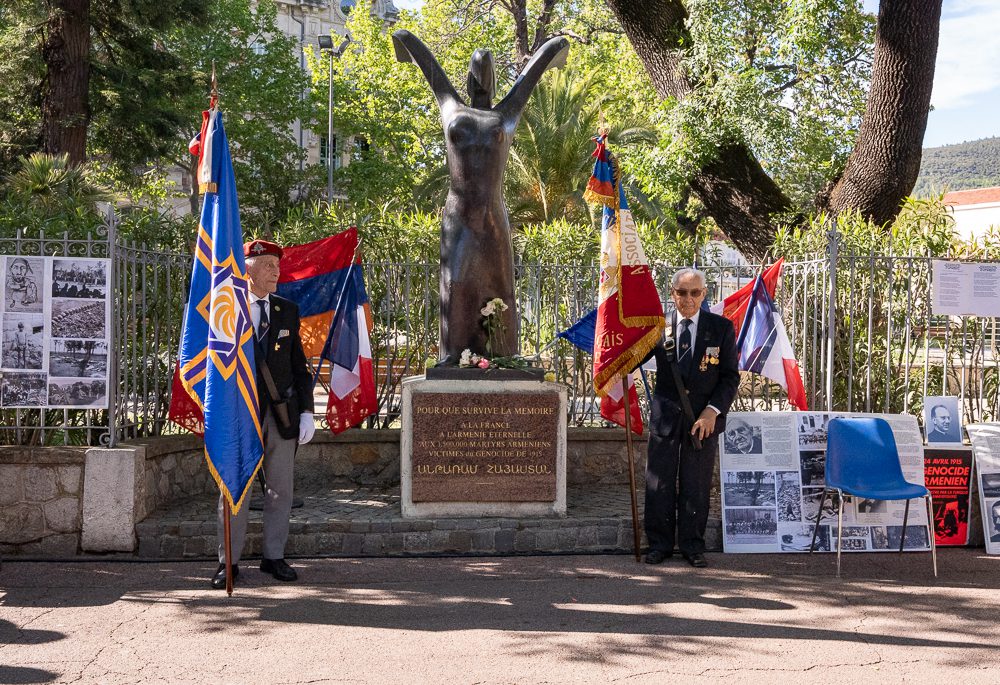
[683, 292]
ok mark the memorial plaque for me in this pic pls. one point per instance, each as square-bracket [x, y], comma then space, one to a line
[485, 447]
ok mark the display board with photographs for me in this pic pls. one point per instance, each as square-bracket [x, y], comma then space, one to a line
[986, 448]
[54, 332]
[772, 468]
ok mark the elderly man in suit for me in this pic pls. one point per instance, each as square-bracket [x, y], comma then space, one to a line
[276, 331]
[678, 475]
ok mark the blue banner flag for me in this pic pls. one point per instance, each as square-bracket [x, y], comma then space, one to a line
[217, 350]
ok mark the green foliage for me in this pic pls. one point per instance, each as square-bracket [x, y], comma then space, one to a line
[975, 164]
[47, 194]
[20, 94]
[884, 322]
[261, 86]
[788, 79]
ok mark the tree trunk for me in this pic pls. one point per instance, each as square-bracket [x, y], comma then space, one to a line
[744, 201]
[66, 51]
[736, 191]
[884, 164]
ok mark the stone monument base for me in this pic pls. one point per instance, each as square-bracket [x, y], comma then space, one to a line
[482, 448]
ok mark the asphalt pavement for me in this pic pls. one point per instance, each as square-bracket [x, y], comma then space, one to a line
[550, 619]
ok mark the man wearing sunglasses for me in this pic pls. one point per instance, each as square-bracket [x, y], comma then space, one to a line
[678, 473]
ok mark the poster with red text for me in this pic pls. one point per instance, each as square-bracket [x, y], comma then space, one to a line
[948, 475]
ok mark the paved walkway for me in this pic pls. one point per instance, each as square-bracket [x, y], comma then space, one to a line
[564, 619]
[356, 521]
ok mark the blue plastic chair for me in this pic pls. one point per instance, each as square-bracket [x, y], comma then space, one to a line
[862, 461]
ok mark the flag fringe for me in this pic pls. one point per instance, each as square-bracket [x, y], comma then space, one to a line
[627, 361]
[596, 198]
[234, 505]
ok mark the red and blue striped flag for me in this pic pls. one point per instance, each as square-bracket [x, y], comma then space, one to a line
[325, 279]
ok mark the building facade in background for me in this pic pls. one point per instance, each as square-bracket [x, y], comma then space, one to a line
[974, 211]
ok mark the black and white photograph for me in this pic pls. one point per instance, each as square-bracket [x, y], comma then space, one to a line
[742, 437]
[916, 537]
[864, 506]
[942, 422]
[77, 393]
[751, 526]
[789, 496]
[813, 466]
[78, 319]
[811, 498]
[22, 284]
[990, 484]
[851, 544]
[21, 341]
[880, 540]
[812, 430]
[22, 389]
[78, 358]
[992, 517]
[79, 278]
[798, 538]
[749, 489]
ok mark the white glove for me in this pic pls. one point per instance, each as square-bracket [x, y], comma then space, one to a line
[307, 427]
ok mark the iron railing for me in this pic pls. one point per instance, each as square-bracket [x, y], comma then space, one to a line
[860, 326]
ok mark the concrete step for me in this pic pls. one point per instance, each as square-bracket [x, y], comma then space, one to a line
[348, 521]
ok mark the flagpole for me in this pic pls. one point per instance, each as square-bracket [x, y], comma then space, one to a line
[340, 299]
[631, 470]
[227, 537]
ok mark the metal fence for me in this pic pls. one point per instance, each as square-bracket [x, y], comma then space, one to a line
[860, 325]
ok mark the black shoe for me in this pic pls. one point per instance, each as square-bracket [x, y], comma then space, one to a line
[697, 560]
[279, 569]
[219, 579]
[656, 556]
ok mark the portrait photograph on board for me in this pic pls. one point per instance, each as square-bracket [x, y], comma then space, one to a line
[942, 421]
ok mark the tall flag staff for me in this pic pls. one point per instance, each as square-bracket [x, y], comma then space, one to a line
[630, 319]
[217, 348]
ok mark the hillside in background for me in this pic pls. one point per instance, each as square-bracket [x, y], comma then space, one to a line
[964, 166]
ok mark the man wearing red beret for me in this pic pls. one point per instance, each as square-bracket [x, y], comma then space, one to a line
[276, 330]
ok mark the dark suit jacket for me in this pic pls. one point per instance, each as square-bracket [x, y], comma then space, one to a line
[716, 384]
[287, 362]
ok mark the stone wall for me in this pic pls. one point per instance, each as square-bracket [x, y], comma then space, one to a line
[41, 499]
[174, 468]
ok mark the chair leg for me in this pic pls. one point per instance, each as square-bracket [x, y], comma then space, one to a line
[929, 499]
[840, 527]
[902, 535]
[819, 515]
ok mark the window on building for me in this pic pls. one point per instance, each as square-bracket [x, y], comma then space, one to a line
[324, 151]
[347, 5]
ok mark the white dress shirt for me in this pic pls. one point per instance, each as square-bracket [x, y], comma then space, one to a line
[255, 311]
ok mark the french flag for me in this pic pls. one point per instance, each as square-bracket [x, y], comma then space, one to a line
[764, 347]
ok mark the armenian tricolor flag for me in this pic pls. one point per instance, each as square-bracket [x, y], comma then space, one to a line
[216, 364]
[326, 279]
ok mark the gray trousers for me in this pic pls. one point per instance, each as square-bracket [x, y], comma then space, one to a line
[279, 465]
